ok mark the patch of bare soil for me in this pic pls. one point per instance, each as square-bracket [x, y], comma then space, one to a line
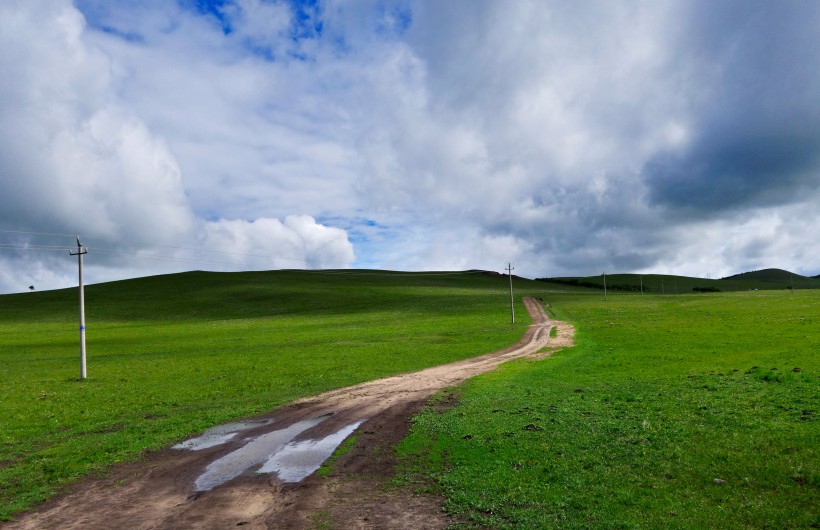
[159, 491]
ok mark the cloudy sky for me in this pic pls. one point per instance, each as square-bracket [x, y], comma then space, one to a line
[565, 137]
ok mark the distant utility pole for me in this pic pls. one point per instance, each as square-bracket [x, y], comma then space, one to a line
[663, 291]
[641, 283]
[80, 252]
[604, 274]
[512, 305]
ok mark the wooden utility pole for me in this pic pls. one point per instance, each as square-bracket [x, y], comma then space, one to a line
[80, 252]
[604, 274]
[512, 303]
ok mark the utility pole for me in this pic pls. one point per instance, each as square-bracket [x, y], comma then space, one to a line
[604, 274]
[663, 291]
[512, 304]
[641, 283]
[80, 252]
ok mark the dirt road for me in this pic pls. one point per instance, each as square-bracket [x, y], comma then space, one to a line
[174, 488]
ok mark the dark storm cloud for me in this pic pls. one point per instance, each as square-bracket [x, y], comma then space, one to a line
[756, 85]
[737, 172]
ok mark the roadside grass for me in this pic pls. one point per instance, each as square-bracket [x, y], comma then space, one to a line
[172, 355]
[632, 427]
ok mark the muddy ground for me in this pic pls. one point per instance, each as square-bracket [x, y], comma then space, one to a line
[159, 492]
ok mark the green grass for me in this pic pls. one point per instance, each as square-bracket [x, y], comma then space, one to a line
[630, 428]
[172, 355]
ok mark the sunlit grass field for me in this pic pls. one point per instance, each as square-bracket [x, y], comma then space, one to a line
[173, 355]
[695, 411]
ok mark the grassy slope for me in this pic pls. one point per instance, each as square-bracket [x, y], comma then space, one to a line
[767, 275]
[630, 428]
[173, 355]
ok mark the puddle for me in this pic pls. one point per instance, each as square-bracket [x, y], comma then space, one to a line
[219, 435]
[297, 460]
[253, 453]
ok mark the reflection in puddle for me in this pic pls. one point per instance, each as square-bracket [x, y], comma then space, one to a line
[254, 452]
[297, 460]
[219, 435]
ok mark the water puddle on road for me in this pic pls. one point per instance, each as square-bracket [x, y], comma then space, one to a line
[219, 435]
[253, 453]
[297, 460]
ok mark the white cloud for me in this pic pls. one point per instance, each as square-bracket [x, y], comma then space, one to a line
[260, 24]
[300, 242]
[439, 134]
[74, 158]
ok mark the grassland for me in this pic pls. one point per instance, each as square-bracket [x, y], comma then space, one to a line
[173, 355]
[697, 411]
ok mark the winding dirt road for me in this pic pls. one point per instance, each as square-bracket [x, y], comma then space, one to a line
[161, 490]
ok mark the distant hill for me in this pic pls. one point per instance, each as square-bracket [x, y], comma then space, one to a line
[766, 279]
[766, 275]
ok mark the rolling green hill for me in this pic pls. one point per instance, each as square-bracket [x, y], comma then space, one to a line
[697, 411]
[172, 355]
[767, 275]
[661, 396]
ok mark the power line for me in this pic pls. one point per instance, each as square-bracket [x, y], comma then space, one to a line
[17, 246]
[327, 272]
[197, 261]
[225, 252]
[32, 247]
[261, 256]
[158, 258]
[35, 233]
[375, 272]
[264, 256]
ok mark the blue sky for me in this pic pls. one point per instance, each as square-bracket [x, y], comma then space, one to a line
[566, 138]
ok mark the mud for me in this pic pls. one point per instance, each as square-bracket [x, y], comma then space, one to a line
[297, 460]
[167, 489]
[252, 453]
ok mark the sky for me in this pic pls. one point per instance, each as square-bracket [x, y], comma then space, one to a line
[565, 138]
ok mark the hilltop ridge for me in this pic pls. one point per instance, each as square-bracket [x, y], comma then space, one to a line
[766, 275]
[765, 279]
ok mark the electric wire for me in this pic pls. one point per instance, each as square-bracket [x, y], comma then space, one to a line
[157, 258]
[197, 261]
[225, 252]
[36, 233]
[32, 247]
